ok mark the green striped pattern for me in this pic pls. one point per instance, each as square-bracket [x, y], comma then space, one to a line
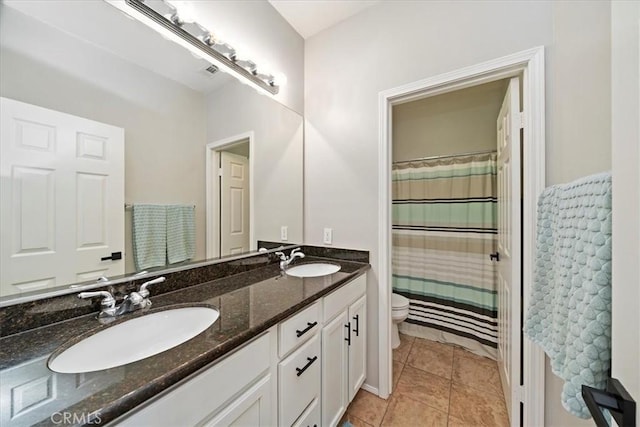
[482, 298]
[444, 227]
[470, 214]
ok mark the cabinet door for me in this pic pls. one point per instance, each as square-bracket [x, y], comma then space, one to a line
[334, 369]
[252, 409]
[358, 345]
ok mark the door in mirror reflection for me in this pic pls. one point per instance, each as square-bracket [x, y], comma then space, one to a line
[234, 203]
[62, 198]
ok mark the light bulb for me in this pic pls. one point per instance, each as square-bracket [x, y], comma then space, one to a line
[186, 10]
[279, 79]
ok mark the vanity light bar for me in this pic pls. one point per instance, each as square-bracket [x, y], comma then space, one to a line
[226, 61]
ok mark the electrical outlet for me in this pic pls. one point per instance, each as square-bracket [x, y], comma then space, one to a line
[284, 231]
[328, 236]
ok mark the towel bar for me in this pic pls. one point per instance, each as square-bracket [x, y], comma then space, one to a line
[128, 206]
[614, 398]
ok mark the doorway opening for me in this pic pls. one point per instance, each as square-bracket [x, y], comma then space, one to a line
[229, 185]
[527, 387]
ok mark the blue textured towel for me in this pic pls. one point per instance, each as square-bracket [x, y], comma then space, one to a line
[149, 235]
[570, 311]
[181, 233]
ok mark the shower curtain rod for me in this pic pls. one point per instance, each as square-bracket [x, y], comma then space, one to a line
[445, 156]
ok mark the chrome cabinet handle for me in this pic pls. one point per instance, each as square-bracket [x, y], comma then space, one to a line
[310, 326]
[310, 361]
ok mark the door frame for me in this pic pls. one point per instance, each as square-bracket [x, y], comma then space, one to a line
[212, 192]
[528, 64]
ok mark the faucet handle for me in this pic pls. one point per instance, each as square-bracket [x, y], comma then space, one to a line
[108, 301]
[281, 255]
[295, 251]
[143, 289]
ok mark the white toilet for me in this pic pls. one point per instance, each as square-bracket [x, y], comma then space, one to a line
[399, 312]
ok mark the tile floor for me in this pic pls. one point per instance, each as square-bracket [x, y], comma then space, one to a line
[434, 384]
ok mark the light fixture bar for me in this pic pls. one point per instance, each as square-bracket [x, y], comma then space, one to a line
[139, 6]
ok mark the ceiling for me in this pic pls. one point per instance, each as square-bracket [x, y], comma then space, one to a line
[309, 17]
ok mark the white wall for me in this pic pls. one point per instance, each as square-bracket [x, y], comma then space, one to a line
[398, 42]
[578, 122]
[278, 146]
[258, 31]
[625, 72]
[457, 122]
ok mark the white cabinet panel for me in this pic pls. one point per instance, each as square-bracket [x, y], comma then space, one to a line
[357, 346]
[334, 370]
[310, 417]
[299, 381]
[337, 301]
[252, 409]
[297, 329]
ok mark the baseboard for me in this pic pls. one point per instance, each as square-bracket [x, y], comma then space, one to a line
[370, 389]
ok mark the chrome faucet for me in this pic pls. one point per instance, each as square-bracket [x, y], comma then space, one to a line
[133, 301]
[285, 261]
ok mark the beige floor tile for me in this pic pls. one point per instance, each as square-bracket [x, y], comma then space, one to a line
[474, 407]
[430, 389]
[431, 356]
[404, 411]
[475, 371]
[368, 408]
[397, 370]
[400, 354]
[355, 421]
[457, 422]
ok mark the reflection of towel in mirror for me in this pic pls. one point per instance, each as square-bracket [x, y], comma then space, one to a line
[149, 235]
[181, 233]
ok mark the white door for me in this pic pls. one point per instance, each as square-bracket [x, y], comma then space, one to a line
[509, 236]
[234, 204]
[357, 346]
[62, 198]
[625, 153]
[335, 362]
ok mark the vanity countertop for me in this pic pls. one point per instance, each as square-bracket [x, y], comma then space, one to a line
[249, 303]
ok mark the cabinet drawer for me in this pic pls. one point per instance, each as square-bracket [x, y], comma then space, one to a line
[299, 381]
[311, 416]
[338, 300]
[298, 328]
[202, 395]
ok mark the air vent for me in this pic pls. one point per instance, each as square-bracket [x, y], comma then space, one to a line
[211, 69]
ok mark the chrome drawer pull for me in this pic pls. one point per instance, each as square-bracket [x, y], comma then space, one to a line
[310, 361]
[310, 325]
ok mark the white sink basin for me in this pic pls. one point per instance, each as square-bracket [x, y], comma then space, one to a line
[315, 269]
[134, 340]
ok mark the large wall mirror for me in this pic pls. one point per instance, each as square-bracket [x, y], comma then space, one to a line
[184, 128]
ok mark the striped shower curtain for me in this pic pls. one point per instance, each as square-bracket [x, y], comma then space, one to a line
[444, 228]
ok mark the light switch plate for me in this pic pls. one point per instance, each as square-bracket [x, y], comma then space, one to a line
[328, 236]
[284, 233]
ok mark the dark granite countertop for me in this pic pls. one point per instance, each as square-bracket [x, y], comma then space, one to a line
[249, 303]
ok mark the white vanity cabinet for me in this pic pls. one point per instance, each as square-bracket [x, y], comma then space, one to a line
[234, 391]
[302, 372]
[343, 348]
